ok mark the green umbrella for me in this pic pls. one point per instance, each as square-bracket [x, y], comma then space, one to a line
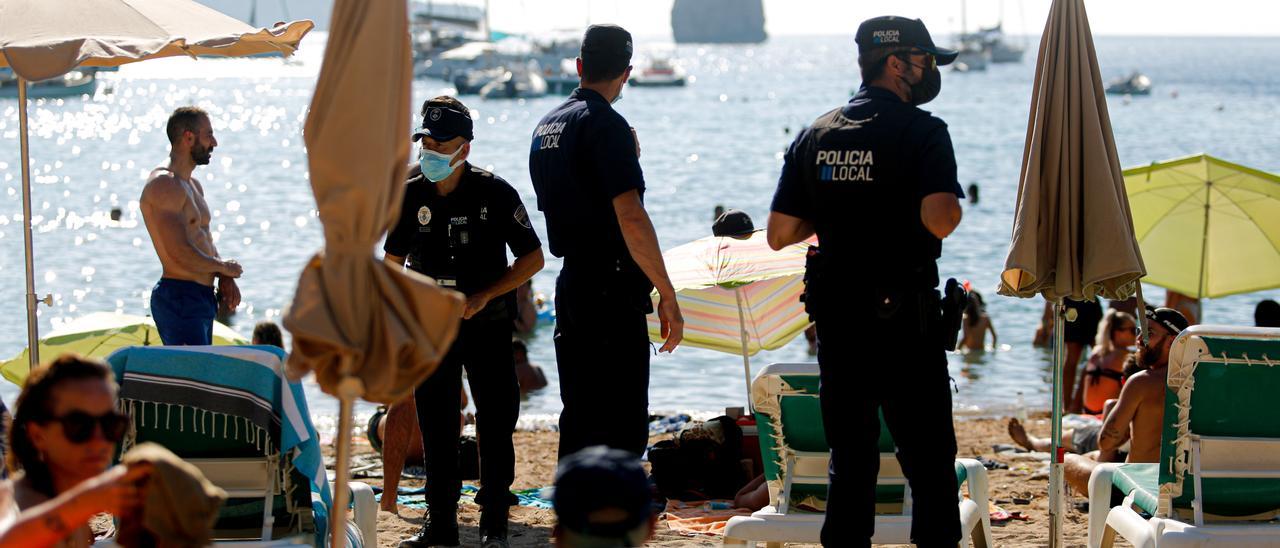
[99, 334]
[1207, 227]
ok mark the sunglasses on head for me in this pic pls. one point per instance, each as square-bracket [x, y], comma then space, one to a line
[78, 426]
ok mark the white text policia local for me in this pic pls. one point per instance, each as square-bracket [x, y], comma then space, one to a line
[548, 135]
[845, 165]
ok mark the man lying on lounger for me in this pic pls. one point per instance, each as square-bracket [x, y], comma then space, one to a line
[1135, 417]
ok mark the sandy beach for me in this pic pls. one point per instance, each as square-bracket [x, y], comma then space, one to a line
[535, 467]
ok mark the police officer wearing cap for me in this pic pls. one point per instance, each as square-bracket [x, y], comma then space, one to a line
[456, 224]
[876, 180]
[584, 163]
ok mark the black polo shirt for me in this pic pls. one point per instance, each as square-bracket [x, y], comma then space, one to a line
[583, 155]
[461, 239]
[859, 173]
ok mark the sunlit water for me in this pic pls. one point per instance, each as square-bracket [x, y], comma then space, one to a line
[718, 141]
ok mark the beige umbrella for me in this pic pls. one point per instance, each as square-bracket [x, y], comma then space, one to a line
[366, 329]
[1073, 232]
[42, 39]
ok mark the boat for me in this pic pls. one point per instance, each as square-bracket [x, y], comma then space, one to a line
[470, 82]
[516, 84]
[659, 73]
[1135, 83]
[82, 81]
[998, 48]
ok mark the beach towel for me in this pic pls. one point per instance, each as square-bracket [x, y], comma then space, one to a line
[704, 517]
[414, 497]
[238, 391]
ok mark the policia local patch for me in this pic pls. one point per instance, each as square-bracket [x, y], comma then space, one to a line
[845, 165]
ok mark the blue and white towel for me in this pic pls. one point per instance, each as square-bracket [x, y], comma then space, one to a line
[239, 391]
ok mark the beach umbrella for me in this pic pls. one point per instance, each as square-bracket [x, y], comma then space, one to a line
[42, 39]
[366, 329]
[1073, 232]
[1208, 228]
[737, 295]
[99, 334]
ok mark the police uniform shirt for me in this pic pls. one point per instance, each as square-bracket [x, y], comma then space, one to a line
[583, 156]
[461, 239]
[859, 173]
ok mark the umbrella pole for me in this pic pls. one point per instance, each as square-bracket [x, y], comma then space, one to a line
[746, 358]
[33, 333]
[1055, 467]
[348, 390]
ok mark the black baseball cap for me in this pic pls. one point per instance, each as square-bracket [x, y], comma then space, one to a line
[733, 222]
[442, 121]
[892, 31]
[609, 44]
[601, 492]
[1172, 320]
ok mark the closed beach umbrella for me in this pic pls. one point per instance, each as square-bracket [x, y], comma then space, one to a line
[42, 39]
[1208, 228]
[366, 329]
[99, 334]
[737, 295]
[1072, 233]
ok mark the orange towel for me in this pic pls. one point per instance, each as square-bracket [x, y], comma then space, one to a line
[701, 517]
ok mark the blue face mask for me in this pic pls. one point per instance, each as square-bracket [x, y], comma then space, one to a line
[436, 166]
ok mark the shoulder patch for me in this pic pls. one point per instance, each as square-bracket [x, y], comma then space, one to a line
[522, 217]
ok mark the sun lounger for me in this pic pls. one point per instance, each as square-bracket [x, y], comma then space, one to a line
[1218, 478]
[231, 412]
[795, 453]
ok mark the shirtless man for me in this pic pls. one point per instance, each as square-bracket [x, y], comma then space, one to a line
[1137, 417]
[183, 302]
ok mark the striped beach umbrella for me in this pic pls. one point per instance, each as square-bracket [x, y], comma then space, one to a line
[737, 295]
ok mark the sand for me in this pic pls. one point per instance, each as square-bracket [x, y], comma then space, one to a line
[535, 467]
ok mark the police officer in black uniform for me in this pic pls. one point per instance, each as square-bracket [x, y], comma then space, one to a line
[876, 180]
[584, 163]
[456, 224]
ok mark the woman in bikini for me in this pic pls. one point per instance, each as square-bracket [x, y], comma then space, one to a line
[1103, 374]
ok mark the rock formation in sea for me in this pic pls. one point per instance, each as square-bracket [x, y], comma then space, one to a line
[718, 21]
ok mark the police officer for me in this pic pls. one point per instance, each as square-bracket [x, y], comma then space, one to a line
[876, 180]
[456, 224]
[584, 162]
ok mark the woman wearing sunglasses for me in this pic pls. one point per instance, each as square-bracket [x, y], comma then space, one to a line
[65, 431]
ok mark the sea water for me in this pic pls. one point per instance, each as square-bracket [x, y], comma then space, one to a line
[717, 141]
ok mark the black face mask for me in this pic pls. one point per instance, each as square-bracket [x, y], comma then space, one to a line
[928, 87]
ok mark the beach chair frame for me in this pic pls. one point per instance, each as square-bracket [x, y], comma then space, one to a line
[780, 522]
[1204, 457]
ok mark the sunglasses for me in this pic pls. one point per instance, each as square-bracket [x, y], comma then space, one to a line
[929, 58]
[78, 426]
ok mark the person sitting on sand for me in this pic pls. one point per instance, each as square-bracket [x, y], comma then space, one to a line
[65, 431]
[1139, 412]
[1103, 372]
[602, 499]
[528, 374]
[976, 324]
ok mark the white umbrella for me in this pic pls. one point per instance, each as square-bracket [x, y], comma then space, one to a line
[42, 39]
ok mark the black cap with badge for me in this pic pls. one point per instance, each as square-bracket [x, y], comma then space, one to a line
[892, 31]
[607, 44]
[442, 122]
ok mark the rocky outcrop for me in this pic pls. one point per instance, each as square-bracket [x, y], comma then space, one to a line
[718, 21]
